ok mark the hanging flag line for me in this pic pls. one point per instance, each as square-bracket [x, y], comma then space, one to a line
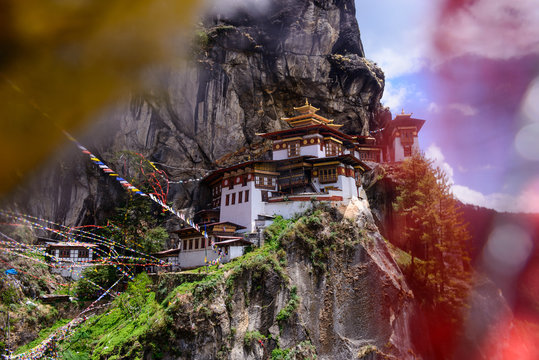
[76, 267]
[134, 190]
[24, 256]
[13, 241]
[138, 261]
[58, 260]
[186, 181]
[129, 186]
[101, 262]
[71, 233]
[152, 179]
[377, 131]
[35, 277]
[48, 346]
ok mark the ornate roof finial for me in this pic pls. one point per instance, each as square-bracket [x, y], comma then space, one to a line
[402, 111]
[307, 102]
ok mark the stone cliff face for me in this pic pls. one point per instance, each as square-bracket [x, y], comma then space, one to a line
[248, 70]
[331, 290]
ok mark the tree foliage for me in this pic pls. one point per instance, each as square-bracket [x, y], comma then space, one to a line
[104, 276]
[434, 234]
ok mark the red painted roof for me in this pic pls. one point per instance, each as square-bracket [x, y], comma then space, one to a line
[232, 241]
[404, 120]
[71, 245]
[337, 133]
[167, 252]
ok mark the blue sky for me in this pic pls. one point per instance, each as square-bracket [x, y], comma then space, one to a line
[473, 73]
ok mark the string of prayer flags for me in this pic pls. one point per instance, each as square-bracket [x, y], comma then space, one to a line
[377, 131]
[129, 186]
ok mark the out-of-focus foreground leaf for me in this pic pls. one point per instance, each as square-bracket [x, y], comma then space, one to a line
[62, 61]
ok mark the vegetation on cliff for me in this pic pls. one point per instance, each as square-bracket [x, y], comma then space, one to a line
[435, 238]
[255, 306]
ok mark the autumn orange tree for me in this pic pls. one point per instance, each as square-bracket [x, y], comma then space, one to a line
[434, 234]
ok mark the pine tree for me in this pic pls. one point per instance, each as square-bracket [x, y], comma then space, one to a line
[434, 234]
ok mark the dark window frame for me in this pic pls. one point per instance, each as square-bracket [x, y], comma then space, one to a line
[328, 175]
[294, 148]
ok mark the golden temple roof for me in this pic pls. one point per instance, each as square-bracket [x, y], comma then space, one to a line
[307, 116]
[306, 109]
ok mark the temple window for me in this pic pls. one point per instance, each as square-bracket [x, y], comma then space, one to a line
[407, 150]
[265, 196]
[240, 197]
[227, 200]
[84, 253]
[65, 253]
[293, 148]
[264, 182]
[246, 195]
[332, 148]
[233, 199]
[407, 137]
[327, 175]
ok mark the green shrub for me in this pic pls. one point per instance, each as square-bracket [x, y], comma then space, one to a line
[280, 354]
[103, 276]
[251, 336]
[290, 307]
[9, 295]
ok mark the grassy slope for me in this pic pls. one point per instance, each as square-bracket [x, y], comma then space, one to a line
[136, 315]
[137, 323]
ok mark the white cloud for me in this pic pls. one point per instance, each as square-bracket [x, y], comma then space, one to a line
[395, 63]
[530, 105]
[394, 96]
[433, 108]
[496, 29]
[435, 154]
[464, 109]
[487, 167]
[398, 40]
[526, 201]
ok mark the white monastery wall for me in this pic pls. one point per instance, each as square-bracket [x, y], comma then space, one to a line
[234, 252]
[398, 149]
[287, 209]
[195, 258]
[280, 154]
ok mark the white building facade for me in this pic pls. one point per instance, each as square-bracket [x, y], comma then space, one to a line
[311, 161]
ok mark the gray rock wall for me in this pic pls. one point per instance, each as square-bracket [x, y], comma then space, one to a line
[246, 71]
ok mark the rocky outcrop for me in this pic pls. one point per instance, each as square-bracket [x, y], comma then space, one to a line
[330, 289]
[248, 69]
